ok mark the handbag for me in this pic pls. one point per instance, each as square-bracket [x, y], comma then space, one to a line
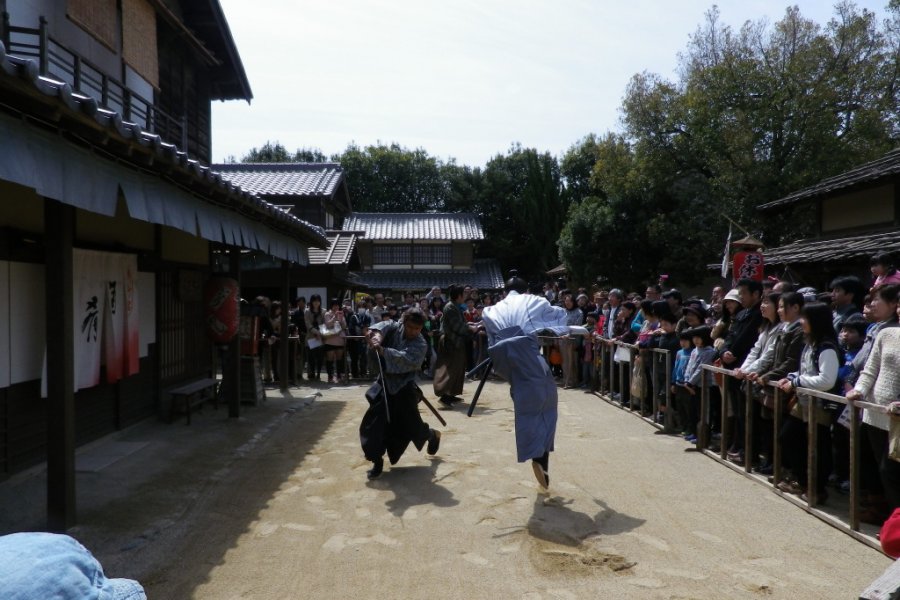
[638, 381]
[894, 438]
[622, 354]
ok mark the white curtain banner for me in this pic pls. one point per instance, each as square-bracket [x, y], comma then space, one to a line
[106, 316]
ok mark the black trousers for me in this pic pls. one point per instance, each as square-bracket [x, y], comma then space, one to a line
[794, 443]
[888, 469]
[377, 435]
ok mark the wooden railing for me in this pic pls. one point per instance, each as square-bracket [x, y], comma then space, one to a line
[58, 62]
[614, 385]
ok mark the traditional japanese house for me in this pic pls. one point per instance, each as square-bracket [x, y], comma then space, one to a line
[316, 193]
[109, 219]
[412, 252]
[857, 214]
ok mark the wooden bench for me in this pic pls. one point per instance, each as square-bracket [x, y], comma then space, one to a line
[195, 393]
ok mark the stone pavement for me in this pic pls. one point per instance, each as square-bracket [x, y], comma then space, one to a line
[276, 505]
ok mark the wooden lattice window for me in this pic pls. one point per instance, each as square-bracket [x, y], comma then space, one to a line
[97, 17]
[139, 39]
[432, 254]
[390, 254]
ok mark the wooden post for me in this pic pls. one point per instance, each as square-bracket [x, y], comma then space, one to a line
[44, 51]
[748, 428]
[776, 440]
[59, 235]
[704, 424]
[854, 466]
[727, 433]
[283, 342]
[234, 347]
[812, 498]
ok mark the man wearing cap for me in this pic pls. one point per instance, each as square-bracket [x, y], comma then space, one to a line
[38, 565]
[512, 327]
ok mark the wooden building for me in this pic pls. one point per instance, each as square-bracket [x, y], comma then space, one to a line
[413, 252]
[316, 193]
[107, 208]
[857, 215]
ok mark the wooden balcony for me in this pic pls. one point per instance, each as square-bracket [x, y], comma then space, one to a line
[58, 62]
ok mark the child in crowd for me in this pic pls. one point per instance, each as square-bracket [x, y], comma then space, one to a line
[679, 391]
[667, 340]
[851, 338]
[703, 354]
[884, 270]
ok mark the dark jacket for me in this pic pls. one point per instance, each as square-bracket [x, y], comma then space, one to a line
[788, 348]
[622, 331]
[455, 332]
[742, 335]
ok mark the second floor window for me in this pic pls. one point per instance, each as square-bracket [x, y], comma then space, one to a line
[392, 255]
[431, 255]
[406, 254]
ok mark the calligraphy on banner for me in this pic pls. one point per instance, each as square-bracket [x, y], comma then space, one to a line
[748, 265]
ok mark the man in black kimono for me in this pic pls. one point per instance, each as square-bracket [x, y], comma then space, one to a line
[401, 349]
[450, 366]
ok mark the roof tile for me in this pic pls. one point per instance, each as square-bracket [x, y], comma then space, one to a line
[284, 179]
[416, 226]
[887, 165]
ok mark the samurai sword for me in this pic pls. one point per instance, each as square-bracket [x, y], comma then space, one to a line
[477, 367]
[430, 406]
[487, 371]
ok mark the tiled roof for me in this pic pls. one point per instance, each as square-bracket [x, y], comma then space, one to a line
[828, 250]
[79, 108]
[284, 179]
[340, 249]
[886, 166]
[485, 275]
[416, 226]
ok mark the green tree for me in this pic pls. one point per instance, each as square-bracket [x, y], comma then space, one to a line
[754, 114]
[522, 210]
[275, 152]
[390, 178]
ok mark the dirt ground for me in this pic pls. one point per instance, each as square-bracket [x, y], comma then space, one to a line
[276, 505]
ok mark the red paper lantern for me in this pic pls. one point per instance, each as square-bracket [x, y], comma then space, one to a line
[221, 302]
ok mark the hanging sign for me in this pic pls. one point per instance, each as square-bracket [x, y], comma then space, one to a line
[748, 265]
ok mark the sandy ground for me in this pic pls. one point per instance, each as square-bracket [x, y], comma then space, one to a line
[276, 505]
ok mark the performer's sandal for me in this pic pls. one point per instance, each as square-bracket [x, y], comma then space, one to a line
[542, 476]
[376, 470]
[434, 442]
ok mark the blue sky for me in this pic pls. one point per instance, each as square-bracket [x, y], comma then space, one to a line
[463, 79]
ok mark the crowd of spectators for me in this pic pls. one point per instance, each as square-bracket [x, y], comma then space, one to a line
[767, 334]
[844, 340]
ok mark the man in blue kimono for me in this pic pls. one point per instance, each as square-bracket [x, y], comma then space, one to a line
[390, 428]
[512, 327]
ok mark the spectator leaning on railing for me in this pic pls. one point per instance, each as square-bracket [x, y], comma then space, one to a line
[758, 361]
[738, 343]
[879, 383]
[818, 370]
